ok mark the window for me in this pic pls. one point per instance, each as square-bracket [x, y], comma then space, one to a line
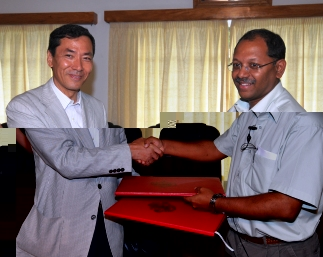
[23, 63]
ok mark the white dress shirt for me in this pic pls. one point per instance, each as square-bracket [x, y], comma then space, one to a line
[74, 112]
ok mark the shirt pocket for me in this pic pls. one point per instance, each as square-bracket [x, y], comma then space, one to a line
[262, 171]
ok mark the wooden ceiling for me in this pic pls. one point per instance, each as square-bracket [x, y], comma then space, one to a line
[200, 12]
[49, 18]
[216, 13]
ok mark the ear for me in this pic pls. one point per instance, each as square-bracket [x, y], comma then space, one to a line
[49, 59]
[280, 68]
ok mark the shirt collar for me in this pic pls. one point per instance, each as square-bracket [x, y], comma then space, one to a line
[265, 103]
[64, 100]
[274, 115]
[262, 105]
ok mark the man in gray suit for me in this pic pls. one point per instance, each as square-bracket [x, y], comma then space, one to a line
[78, 159]
[59, 103]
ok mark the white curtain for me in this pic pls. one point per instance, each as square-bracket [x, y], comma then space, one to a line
[303, 38]
[163, 67]
[23, 63]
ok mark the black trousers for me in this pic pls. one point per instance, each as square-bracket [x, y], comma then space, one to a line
[100, 245]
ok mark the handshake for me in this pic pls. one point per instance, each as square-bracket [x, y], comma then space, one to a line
[146, 150]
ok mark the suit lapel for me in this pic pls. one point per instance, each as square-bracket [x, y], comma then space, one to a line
[87, 113]
[54, 109]
[91, 115]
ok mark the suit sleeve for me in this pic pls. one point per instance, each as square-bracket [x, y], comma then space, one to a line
[123, 139]
[64, 152]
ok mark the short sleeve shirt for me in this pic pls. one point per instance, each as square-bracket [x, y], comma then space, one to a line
[288, 159]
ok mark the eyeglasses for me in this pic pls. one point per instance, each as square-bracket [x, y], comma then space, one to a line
[248, 145]
[236, 66]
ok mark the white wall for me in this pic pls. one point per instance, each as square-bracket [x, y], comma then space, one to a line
[97, 84]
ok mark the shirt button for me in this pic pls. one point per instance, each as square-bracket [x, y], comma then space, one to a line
[99, 186]
[122, 169]
[260, 127]
[93, 217]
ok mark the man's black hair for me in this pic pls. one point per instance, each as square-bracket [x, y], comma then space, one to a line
[275, 44]
[68, 31]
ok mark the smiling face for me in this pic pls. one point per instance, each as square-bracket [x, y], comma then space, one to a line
[253, 85]
[71, 65]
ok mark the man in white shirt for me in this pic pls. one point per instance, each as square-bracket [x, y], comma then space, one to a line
[274, 193]
[272, 207]
[257, 66]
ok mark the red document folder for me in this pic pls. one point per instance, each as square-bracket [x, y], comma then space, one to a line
[166, 186]
[168, 212]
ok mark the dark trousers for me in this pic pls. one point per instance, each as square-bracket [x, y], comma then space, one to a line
[308, 248]
[100, 245]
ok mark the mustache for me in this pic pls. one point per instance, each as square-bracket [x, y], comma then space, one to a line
[244, 80]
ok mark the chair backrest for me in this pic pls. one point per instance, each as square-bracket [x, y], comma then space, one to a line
[175, 166]
[190, 132]
[132, 134]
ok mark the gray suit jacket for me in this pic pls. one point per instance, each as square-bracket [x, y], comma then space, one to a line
[68, 171]
[40, 108]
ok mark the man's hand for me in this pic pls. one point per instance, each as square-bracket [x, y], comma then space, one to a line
[265, 207]
[154, 141]
[202, 198]
[145, 155]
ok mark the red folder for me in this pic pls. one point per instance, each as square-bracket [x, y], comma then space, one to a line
[167, 212]
[166, 186]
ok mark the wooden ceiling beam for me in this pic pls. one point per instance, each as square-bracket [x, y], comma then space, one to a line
[49, 18]
[216, 13]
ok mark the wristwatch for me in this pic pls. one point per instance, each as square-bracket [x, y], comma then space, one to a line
[213, 199]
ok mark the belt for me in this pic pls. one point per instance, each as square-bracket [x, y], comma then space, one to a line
[261, 240]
